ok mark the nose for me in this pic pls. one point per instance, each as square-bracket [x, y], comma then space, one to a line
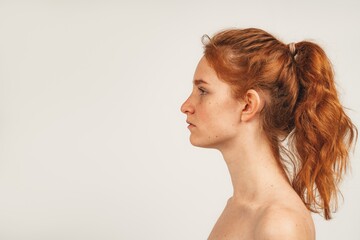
[187, 107]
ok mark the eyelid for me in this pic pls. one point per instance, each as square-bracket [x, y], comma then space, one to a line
[202, 90]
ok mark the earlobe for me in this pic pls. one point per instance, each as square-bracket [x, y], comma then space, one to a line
[253, 105]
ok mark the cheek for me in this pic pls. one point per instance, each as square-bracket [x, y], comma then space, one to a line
[215, 115]
[208, 111]
[226, 119]
[217, 124]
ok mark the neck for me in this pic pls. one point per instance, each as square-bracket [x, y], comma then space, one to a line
[255, 172]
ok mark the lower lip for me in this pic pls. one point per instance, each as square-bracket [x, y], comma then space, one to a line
[190, 126]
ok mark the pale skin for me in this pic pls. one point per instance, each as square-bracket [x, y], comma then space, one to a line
[264, 205]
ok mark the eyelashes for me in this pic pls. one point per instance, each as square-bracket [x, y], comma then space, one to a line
[202, 91]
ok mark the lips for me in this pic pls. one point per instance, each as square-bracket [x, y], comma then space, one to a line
[190, 124]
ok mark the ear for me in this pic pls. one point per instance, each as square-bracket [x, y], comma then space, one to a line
[253, 104]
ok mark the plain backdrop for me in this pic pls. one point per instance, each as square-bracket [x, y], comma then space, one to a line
[92, 141]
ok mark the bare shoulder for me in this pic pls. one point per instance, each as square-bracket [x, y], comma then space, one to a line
[283, 223]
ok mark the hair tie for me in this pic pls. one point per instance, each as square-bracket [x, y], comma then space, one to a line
[292, 48]
[205, 39]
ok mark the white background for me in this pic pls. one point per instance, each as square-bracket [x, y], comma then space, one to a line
[92, 142]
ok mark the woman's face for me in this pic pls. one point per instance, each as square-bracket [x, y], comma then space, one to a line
[212, 112]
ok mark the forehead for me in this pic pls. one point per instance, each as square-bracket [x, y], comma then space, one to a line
[207, 76]
[206, 73]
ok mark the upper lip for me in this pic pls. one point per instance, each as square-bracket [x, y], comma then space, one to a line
[188, 122]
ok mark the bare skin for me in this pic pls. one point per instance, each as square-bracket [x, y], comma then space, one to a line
[263, 205]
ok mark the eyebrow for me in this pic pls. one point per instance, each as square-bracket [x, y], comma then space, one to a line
[199, 81]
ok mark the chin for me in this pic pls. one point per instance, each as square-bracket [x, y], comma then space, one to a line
[202, 143]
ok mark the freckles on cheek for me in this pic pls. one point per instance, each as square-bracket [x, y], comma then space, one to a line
[212, 113]
[210, 137]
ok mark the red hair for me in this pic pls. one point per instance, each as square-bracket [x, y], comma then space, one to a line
[303, 107]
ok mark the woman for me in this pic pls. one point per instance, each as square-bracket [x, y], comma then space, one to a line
[273, 112]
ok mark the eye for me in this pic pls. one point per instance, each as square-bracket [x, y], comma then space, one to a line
[202, 91]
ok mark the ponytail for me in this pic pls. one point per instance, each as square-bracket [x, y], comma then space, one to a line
[323, 132]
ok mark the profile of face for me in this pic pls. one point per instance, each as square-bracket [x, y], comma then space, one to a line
[213, 114]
